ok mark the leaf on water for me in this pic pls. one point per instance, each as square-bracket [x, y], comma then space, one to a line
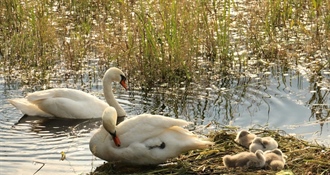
[63, 156]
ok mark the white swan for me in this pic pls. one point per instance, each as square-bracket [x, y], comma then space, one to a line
[263, 143]
[143, 140]
[245, 159]
[71, 103]
[245, 138]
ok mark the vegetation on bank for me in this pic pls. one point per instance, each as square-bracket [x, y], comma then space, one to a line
[160, 41]
[302, 158]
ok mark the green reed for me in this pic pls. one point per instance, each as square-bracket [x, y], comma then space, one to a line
[158, 42]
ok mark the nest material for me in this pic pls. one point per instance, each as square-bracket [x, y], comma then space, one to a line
[302, 158]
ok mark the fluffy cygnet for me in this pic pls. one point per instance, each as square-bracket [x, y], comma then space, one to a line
[245, 138]
[263, 143]
[245, 159]
[274, 159]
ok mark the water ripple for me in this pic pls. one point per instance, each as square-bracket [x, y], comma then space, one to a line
[288, 102]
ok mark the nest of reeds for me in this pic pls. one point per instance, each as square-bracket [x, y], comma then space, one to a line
[302, 158]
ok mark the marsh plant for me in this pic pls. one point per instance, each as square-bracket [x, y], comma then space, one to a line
[160, 41]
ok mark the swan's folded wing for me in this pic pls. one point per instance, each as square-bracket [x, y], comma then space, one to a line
[40, 95]
[146, 126]
[151, 122]
[28, 108]
[72, 94]
[68, 108]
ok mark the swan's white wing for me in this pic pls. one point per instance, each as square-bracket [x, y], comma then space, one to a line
[68, 108]
[72, 94]
[145, 126]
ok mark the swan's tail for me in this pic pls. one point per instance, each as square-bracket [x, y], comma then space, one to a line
[28, 108]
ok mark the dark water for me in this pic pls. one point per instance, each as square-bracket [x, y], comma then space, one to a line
[287, 100]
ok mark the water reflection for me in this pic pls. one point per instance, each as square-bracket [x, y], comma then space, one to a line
[35, 142]
[279, 98]
[319, 103]
[56, 127]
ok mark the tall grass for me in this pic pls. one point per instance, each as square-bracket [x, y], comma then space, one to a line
[158, 41]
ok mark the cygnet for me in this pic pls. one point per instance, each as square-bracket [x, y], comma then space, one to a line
[245, 138]
[274, 159]
[245, 159]
[263, 143]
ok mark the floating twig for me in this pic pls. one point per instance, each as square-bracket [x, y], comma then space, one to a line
[43, 164]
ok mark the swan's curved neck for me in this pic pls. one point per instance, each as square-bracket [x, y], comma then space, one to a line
[110, 98]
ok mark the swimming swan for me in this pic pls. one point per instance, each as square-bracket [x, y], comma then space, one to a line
[245, 138]
[263, 143]
[142, 140]
[274, 159]
[71, 103]
[245, 159]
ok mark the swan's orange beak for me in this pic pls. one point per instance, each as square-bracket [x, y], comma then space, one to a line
[123, 83]
[116, 140]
